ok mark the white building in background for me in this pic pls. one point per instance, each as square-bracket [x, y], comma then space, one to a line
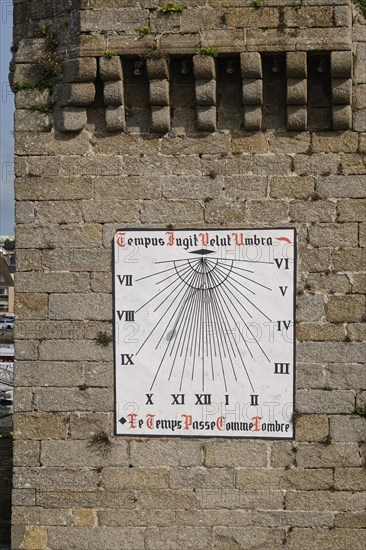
[6, 379]
[7, 269]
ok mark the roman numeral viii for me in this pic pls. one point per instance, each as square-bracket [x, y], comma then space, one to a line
[128, 315]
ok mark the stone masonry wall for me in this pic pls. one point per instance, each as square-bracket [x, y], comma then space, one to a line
[6, 453]
[85, 167]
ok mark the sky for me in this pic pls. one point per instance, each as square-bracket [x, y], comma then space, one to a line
[6, 123]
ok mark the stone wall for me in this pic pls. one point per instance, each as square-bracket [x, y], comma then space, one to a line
[84, 169]
[6, 462]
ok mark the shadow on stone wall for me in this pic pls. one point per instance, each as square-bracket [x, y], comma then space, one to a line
[6, 466]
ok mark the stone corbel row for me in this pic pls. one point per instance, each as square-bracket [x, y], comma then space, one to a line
[77, 91]
[341, 72]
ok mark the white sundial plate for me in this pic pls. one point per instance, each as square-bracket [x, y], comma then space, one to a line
[204, 332]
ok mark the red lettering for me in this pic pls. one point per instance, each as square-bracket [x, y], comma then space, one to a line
[188, 421]
[204, 239]
[257, 427]
[132, 418]
[170, 238]
[238, 238]
[220, 422]
[120, 239]
[150, 421]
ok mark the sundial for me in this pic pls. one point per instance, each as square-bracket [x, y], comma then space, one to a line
[204, 332]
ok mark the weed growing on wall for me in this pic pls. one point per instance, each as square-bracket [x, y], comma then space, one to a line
[24, 85]
[209, 51]
[48, 65]
[109, 54]
[103, 338]
[170, 8]
[143, 31]
[362, 5]
[101, 443]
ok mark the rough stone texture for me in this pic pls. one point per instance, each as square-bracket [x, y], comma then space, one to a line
[311, 427]
[115, 119]
[319, 211]
[70, 119]
[159, 92]
[346, 308]
[80, 70]
[294, 187]
[28, 453]
[84, 538]
[297, 91]
[341, 186]
[306, 16]
[113, 93]
[32, 306]
[252, 118]
[251, 65]
[77, 95]
[315, 213]
[326, 538]
[52, 282]
[54, 189]
[206, 92]
[26, 73]
[296, 65]
[334, 235]
[34, 426]
[342, 91]
[24, 212]
[318, 455]
[341, 117]
[253, 91]
[30, 49]
[334, 352]
[349, 429]
[27, 99]
[204, 67]
[296, 118]
[342, 15]
[69, 306]
[110, 68]
[28, 120]
[97, 169]
[206, 119]
[341, 64]
[319, 401]
[160, 119]
[157, 69]
[359, 120]
[52, 235]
